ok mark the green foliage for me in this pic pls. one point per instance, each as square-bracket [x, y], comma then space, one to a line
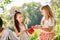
[57, 29]
[6, 20]
[35, 35]
[57, 37]
[4, 3]
[7, 1]
[56, 11]
[32, 13]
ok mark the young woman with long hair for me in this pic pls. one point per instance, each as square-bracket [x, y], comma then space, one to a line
[20, 27]
[47, 24]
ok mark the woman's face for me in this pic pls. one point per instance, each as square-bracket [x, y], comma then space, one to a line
[20, 18]
[44, 12]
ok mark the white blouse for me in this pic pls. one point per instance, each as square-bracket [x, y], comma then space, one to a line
[24, 36]
[7, 34]
[47, 23]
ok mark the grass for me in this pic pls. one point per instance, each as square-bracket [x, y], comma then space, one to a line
[35, 35]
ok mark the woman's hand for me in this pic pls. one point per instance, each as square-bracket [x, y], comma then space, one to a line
[37, 26]
[33, 27]
[20, 33]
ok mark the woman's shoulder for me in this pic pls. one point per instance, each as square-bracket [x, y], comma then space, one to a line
[25, 24]
[6, 31]
[14, 27]
[51, 19]
[43, 18]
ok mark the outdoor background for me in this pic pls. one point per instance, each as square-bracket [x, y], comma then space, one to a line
[31, 12]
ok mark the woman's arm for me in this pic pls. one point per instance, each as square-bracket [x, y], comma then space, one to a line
[45, 29]
[36, 27]
[26, 28]
[18, 33]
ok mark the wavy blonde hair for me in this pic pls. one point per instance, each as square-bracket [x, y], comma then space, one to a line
[48, 10]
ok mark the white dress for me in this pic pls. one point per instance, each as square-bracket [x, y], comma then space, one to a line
[47, 23]
[8, 35]
[24, 36]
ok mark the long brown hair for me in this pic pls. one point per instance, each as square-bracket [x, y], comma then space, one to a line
[16, 23]
[48, 10]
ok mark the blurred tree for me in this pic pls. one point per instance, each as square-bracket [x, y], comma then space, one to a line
[6, 20]
[56, 10]
[3, 4]
[32, 13]
[5, 14]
